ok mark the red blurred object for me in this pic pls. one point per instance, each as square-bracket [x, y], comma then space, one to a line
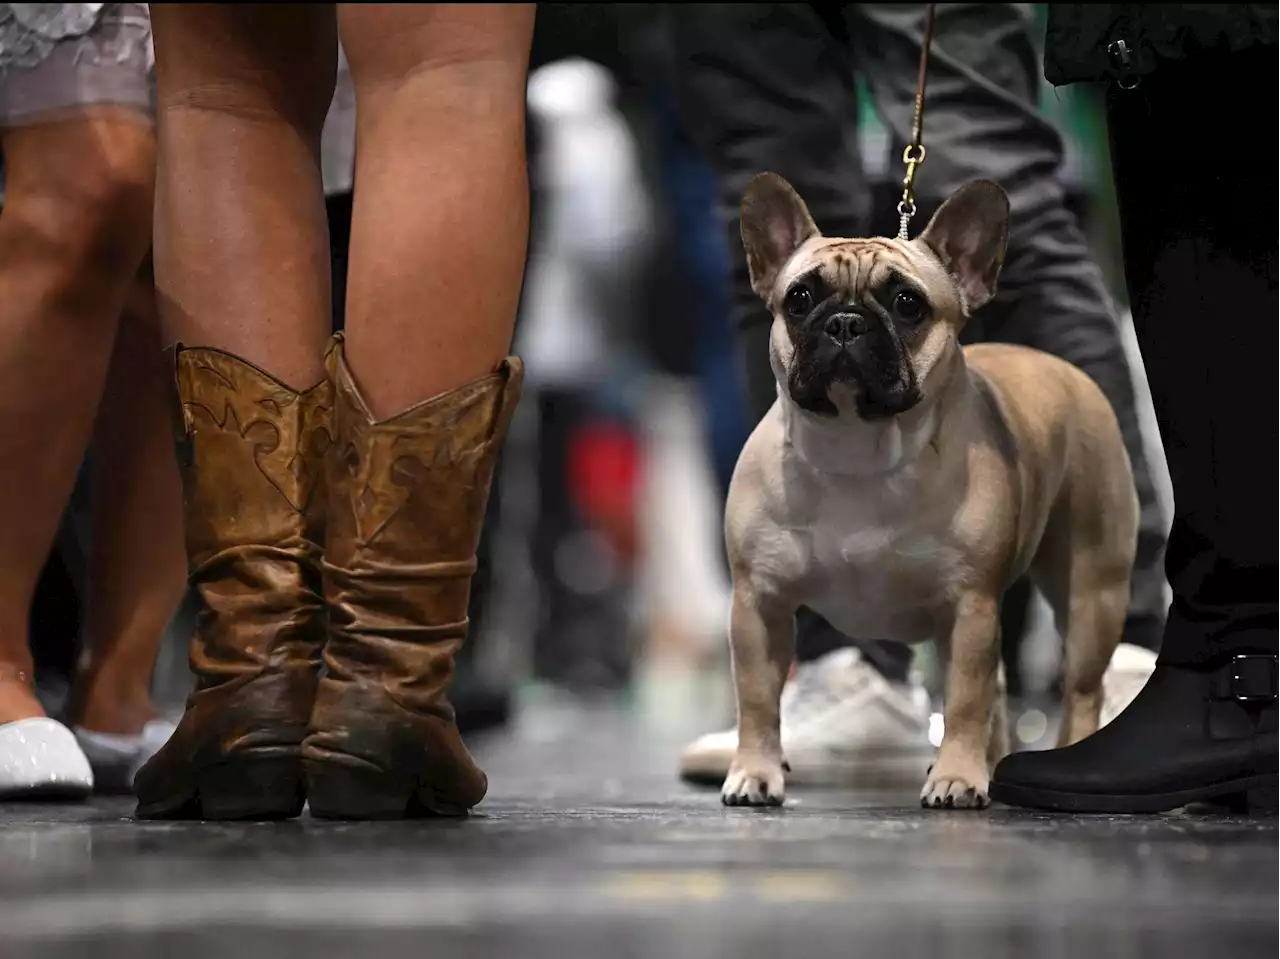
[604, 476]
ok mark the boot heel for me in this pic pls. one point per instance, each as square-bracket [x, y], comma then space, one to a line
[1263, 799]
[337, 791]
[1260, 798]
[252, 789]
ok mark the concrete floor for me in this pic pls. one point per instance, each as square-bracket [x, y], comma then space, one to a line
[587, 846]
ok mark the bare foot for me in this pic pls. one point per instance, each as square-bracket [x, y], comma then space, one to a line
[17, 698]
[105, 704]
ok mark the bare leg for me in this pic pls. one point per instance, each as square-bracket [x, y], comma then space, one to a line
[960, 774]
[242, 250]
[138, 565]
[440, 226]
[76, 226]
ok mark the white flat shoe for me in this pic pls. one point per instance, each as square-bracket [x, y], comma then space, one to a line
[116, 759]
[40, 759]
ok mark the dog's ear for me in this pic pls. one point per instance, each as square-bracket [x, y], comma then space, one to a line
[968, 234]
[775, 222]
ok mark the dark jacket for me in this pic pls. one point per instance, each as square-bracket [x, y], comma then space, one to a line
[1125, 41]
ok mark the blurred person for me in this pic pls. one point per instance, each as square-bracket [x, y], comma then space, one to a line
[76, 127]
[689, 327]
[772, 87]
[693, 414]
[690, 413]
[591, 239]
[626, 504]
[381, 443]
[1199, 245]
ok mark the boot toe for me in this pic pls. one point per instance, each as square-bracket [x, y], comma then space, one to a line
[1046, 769]
[1098, 768]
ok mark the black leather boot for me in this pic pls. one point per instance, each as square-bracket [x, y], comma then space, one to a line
[1194, 734]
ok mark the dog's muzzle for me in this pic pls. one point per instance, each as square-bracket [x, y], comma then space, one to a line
[886, 385]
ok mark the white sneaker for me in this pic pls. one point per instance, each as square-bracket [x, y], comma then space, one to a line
[116, 759]
[40, 759]
[1130, 668]
[841, 721]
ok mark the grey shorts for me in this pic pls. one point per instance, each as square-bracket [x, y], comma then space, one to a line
[56, 57]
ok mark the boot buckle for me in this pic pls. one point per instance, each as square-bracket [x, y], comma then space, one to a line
[1251, 678]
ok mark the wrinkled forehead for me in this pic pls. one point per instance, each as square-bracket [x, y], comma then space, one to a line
[858, 265]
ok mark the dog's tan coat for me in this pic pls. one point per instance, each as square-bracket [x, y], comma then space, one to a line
[912, 528]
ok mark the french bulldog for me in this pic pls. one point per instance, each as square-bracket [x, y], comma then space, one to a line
[901, 483]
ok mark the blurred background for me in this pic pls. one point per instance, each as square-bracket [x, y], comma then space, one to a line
[602, 574]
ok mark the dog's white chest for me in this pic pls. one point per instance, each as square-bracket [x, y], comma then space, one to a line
[874, 572]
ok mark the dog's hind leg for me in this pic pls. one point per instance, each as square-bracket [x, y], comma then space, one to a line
[1095, 621]
[1088, 592]
[998, 744]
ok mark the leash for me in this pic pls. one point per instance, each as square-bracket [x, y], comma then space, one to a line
[913, 155]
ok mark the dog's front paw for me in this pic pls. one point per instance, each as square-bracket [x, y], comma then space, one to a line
[950, 787]
[754, 780]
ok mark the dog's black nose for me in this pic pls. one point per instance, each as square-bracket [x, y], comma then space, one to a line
[842, 327]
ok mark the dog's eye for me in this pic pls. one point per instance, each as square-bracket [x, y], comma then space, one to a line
[798, 302]
[909, 306]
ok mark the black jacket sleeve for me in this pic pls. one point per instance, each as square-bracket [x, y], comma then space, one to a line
[1118, 41]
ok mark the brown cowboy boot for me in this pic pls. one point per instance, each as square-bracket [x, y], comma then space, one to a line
[252, 453]
[407, 499]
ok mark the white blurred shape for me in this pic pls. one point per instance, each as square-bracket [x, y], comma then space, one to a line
[936, 726]
[1031, 727]
[683, 581]
[592, 222]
